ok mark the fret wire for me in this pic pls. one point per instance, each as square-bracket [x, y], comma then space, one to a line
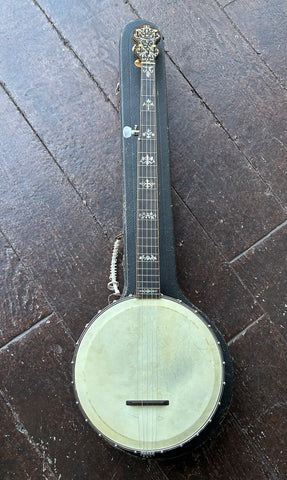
[149, 283]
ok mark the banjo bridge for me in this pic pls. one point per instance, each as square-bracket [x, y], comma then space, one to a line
[143, 403]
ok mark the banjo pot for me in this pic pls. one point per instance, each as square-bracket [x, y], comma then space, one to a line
[151, 374]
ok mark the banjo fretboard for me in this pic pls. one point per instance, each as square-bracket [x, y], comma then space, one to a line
[148, 267]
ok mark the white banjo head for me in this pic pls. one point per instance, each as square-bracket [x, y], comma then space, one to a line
[148, 374]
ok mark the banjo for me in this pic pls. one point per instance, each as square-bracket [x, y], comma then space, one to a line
[152, 375]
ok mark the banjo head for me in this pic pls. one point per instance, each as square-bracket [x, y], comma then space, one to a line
[149, 374]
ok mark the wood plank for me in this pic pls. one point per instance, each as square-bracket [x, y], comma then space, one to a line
[207, 279]
[22, 303]
[47, 224]
[19, 459]
[93, 30]
[260, 390]
[35, 375]
[264, 270]
[228, 75]
[215, 180]
[229, 455]
[224, 3]
[65, 106]
[263, 23]
[37, 382]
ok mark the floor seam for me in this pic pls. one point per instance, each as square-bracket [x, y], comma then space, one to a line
[253, 445]
[20, 427]
[42, 291]
[217, 121]
[67, 44]
[221, 125]
[26, 332]
[242, 332]
[235, 26]
[221, 253]
[258, 242]
[228, 3]
[21, 112]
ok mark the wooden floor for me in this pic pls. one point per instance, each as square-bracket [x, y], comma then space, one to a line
[61, 207]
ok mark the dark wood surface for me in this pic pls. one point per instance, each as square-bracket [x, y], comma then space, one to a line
[61, 206]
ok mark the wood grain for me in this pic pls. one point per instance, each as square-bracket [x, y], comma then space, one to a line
[65, 107]
[263, 23]
[46, 222]
[231, 456]
[263, 269]
[260, 390]
[228, 75]
[22, 302]
[87, 27]
[208, 280]
[19, 460]
[213, 177]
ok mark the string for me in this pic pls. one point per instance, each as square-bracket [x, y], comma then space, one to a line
[148, 253]
[153, 249]
[145, 270]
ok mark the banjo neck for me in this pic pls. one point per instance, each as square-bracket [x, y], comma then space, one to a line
[151, 374]
[147, 235]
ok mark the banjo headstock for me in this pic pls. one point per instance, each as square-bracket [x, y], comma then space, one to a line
[146, 37]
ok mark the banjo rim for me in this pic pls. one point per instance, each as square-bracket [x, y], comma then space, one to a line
[220, 408]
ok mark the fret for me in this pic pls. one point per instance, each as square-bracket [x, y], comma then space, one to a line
[149, 283]
[151, 205]
[149, 235]
[149, 246]
[145, 231]
[144, 277]
[145, 274]
[150, 177]
[147, 170]
[151, 278]
[148, 199]
[150, 228]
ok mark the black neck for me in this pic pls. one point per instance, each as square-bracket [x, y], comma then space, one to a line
[148, 272]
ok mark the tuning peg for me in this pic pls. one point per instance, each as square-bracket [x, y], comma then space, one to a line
[128, 131]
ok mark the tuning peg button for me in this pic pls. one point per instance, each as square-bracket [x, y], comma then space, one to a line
[128, 131]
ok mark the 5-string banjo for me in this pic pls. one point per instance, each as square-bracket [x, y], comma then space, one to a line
[152, 375]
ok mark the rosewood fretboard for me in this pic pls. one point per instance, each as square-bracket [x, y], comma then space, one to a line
[148, 267]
